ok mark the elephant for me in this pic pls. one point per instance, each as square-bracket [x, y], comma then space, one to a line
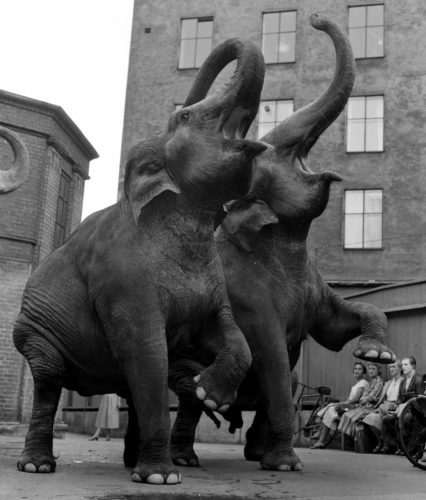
[277, 294]
[11, 179]
[103, 311]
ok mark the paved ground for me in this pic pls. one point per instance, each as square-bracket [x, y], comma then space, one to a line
[93, 470]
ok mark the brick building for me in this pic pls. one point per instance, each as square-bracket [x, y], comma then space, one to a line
[373, 231]
[34, 219]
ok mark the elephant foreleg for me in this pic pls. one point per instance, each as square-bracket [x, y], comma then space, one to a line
[131, 439]
[217, 385]
[339, 321]
[48, 370]
[189, 412]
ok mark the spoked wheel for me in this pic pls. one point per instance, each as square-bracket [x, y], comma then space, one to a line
[412, 430]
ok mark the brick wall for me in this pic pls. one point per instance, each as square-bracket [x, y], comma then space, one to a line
[27, 223]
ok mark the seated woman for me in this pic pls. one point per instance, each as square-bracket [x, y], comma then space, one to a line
[366, 403]
[387, 403]
[411, 386]
[330, 416]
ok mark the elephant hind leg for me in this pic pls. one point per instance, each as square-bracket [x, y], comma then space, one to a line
[48, 370]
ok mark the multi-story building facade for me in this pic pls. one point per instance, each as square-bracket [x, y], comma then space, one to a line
[373, 230]
[34, 219]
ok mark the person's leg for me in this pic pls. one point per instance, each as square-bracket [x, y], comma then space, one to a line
[323, 437]
[108, 434]
[95, 436]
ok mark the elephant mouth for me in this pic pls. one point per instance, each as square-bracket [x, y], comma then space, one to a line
[321, 176]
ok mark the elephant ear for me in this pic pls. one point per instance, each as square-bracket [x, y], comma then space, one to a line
[144, 183]
[244, 220]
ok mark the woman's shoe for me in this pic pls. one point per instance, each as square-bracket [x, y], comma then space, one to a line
[377, 449]
[386, 450]
[318, 445]
[93, 438]
[399, 452]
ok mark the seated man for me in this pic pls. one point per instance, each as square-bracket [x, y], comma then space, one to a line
[411, 386]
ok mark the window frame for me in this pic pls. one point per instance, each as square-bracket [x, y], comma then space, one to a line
[279, 12]
[365, 151]
[365, 29]
[290, 99]
[62, 205]
[198, 19]
[363, 248]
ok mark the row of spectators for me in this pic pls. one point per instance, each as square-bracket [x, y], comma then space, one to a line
[377, 404]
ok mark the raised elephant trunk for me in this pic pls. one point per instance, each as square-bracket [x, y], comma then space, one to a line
[301, 130]
[238, 103]
[11, 179]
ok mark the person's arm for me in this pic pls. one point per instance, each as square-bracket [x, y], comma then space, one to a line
[357, 395]
[374, 392]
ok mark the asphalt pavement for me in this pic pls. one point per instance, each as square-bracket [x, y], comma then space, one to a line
[94, 470]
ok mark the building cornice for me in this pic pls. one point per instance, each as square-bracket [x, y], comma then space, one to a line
[55, 112]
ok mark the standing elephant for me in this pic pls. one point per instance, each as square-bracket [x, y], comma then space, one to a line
[11, 179]
[100, 313]
[277, 294]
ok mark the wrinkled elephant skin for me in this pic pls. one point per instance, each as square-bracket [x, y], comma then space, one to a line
[101, 312]
[277, 295]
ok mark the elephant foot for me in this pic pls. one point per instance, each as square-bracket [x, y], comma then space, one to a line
[36, 462]
[185, 457]
[369, 349]
[214, 394]
[155, 474]
[281, 461]
[253, 453]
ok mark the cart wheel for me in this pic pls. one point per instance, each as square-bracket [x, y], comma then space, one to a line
[412, 430]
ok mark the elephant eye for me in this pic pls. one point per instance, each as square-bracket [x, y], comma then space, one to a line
[184, 117]
[149, 166]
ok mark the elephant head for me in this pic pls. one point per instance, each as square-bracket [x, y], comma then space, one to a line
[11, 179]
[282, 179]
[201, 153]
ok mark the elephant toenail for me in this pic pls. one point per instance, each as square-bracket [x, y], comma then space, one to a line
[155, 479]
[45, 468]
[197, 378]
[358, 352]
[201, 393]
[385, 355]
[284, 467]
[372, 353]
[172, 479]
[136, 478]
[223, 408]
[211, 405]
[298, 466]
[30, 468]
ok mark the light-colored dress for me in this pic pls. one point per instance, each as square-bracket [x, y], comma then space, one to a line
[108, 416]
[329, 415]
[387, 403]
[370, 397]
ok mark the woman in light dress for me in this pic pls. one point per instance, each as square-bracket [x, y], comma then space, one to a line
[108, 416]
[367, 402]
[386, 404]
[330, 415]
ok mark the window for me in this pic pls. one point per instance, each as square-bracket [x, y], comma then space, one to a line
[279, 37]
[364, 124]
[363, 218]
[366, 31]
[62, 209]
[195, 42]
[271, 113]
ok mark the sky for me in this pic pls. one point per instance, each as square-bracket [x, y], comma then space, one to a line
[74, 54]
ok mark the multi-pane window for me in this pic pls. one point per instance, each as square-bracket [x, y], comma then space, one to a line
[62, 209]
[279, 37]
[271, 113]
[363, 218]
[366, 31]
[364, 124]
[195, 42]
